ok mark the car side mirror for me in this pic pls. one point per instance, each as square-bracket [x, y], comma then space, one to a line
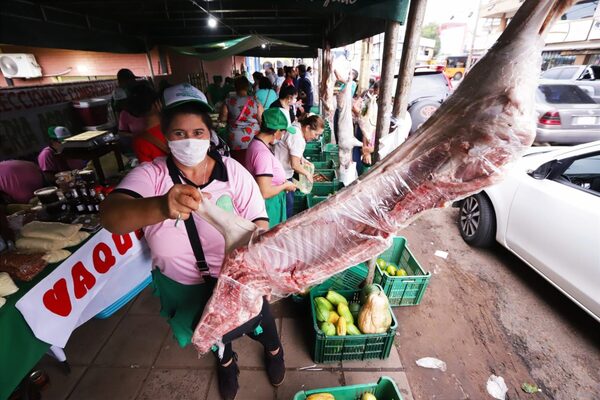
[543, 171]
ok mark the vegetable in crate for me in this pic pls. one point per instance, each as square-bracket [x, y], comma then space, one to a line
[401, 272]
[368, 396]
[391, 270]
[336, 298]
[374, 316]
[321, 396]
[324, 302]
[351, 329]
[328, 329]
[321, 312]
[366, 291]
[341, 326]
[354, 309]
[344, 311]
[381, 263]
[333, 317]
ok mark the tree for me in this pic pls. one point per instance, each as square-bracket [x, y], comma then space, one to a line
[432, 31]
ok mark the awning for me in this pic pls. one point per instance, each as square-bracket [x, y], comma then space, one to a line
[134, 26]
[247, 45]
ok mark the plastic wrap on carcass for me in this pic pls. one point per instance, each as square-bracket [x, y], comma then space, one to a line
[464, 147]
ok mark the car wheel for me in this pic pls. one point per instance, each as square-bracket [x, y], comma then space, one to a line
[457, 76]
[477, 221]
[421, 111]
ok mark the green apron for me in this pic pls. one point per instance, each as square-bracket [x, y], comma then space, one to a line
[180, 304]
[276, 209]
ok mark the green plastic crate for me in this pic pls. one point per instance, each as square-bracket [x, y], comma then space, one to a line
[332, 184]
[315, 110]
[313, 146]
[323, 165]
[331, 152]
[299, 202]
[327, 188]
[350, 279]
[384, 389]
[402, 290]
[313, 200]
[328, 349]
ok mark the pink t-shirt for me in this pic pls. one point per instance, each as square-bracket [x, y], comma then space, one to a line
[261, 161]
[49, 161]
[19, 179]
[129, 123]
[231, 187]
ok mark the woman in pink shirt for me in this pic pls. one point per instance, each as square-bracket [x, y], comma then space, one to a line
[266, 168]
[188, 256]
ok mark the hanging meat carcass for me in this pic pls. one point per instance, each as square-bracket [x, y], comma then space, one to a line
[464, 147]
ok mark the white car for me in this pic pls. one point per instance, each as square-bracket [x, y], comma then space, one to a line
[547, 212]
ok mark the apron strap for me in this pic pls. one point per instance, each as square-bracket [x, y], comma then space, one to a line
[190, 225]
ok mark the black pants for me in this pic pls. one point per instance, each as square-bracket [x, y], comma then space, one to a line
[269, 337]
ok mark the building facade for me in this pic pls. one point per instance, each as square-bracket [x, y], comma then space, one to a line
[573, 40]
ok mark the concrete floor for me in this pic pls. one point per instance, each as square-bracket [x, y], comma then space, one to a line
[484, 312]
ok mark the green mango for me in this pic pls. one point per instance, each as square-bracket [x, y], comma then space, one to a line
[323, 302]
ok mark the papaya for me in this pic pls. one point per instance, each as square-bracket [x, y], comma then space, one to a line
[366, 291]
[351, 329]
[344, 311]
[336, 298]
[328, 329]
[321, 396]
[381, 263]
[333, 317]
[341, 326]
[401, 272]
[354, 309]
[324, 302]
[368, 396]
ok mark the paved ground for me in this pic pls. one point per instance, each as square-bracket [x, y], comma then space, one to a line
[484, 312]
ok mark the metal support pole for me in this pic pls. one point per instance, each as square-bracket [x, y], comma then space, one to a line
[410, 49]
[386, 86]
[470, 55]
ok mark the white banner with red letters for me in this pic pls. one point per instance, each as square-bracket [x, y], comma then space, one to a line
[98, 274]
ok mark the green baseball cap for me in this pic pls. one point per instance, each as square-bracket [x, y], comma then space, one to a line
[59, 133]
[274, 118]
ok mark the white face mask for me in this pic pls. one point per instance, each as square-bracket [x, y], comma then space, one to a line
[189, 152]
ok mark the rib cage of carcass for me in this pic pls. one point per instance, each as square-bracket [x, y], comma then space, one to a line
[487, 123]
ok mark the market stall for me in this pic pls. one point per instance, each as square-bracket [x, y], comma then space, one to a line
[62, 273]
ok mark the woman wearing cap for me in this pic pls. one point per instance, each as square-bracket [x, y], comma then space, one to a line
[266, 168]
[50, 159]
[188, 256]
[290, 149]
[242, 113]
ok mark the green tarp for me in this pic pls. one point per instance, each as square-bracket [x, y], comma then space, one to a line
[218, 50]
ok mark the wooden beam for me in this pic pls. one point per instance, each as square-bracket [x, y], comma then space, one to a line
[386, 85]
[365, 61]
[410, 49]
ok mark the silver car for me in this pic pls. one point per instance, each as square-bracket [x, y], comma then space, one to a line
[587, 77]
[566, 115]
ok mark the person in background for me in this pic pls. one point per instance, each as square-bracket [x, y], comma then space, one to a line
[305, 91]
[228, 87]
[289, 77]
[266, 94]
[256, 76]
[18, 180]
[132, 122]
[242, 113]
[51, 160]
[280, 79]
[124, 78]
[295, 76]
[353, 88]
[309, 72]
[187, 258]
[150, 143]
[215, 91]
[290, 149]
[272, 75]
[266, 168]
[287, 98]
